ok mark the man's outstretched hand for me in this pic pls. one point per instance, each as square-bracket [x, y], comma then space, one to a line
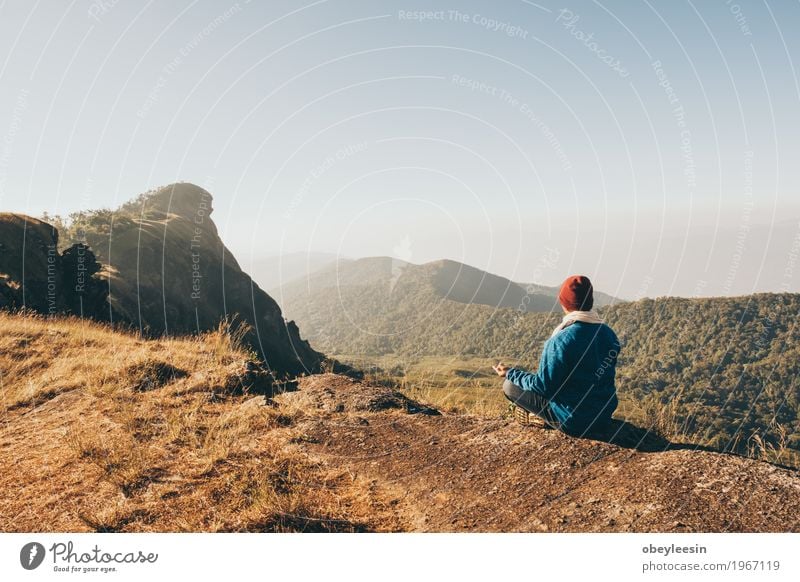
[501, 369]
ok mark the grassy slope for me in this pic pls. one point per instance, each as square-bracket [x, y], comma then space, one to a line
[101, 430]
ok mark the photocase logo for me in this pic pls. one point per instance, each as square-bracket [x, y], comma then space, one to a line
[31, 555]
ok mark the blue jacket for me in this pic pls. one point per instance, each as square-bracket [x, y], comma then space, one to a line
[576, 374]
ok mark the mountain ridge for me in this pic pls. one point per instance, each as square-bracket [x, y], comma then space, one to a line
[452, 280]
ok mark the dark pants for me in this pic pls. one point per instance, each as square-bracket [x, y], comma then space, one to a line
[530, 401]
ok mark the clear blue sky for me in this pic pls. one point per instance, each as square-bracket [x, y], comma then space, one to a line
[651, 145]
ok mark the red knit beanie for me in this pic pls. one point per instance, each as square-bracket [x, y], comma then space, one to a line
[576, 293]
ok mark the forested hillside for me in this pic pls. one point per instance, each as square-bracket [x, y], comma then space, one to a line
[729, 366]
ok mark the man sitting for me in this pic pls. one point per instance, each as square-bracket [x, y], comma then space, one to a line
[573, 389]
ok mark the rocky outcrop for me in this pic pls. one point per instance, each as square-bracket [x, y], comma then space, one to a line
[34, 275]
[164, 270]
[170, 273]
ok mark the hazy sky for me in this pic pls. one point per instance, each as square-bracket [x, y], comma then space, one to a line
[652, 146]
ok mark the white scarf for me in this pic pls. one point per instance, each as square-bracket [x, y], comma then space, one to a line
[573, 316]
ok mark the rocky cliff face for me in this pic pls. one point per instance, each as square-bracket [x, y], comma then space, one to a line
[35, 275]
[170, 273]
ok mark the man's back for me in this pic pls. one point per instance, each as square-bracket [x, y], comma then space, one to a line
[586, 396]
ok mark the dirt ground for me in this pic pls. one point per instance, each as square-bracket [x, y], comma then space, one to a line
[461, 473]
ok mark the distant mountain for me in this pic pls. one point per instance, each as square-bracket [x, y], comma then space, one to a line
[465, 284]
[275, 270]
[373, 305]
[444, 279]
[600, 299]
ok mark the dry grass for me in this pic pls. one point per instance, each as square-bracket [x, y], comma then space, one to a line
[773, 451]
[455, 385]
[663, 419]
[43, 357]
[154, 435]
